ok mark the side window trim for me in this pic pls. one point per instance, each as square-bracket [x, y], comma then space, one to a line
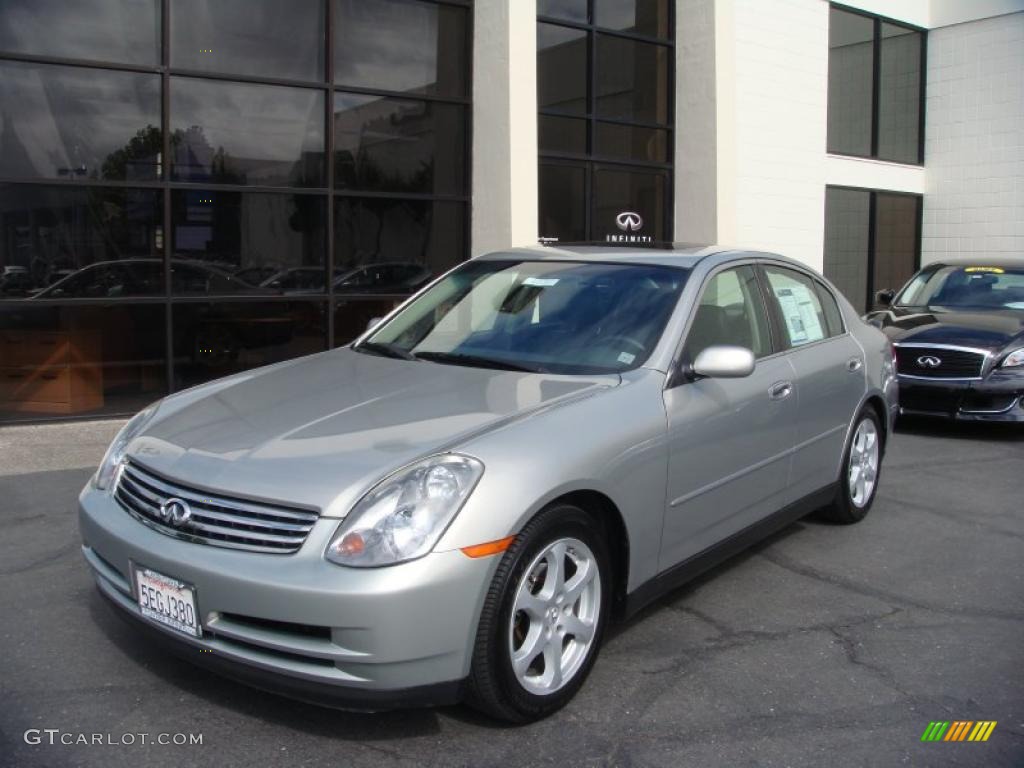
[825, 295]
[775, 319]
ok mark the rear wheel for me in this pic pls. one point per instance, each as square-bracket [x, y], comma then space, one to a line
[543, 618]
[862, 464]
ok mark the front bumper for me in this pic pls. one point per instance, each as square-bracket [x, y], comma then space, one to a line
[296, 624]
[997, 397]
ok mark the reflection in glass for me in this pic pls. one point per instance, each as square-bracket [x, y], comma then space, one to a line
[632, 80]
[896, 240]
[570, 10]
[562, 134]
[406, 233]
[850, 68]
[562, 202]
[75, 123]
[561, 68]
[630, 142]
[847, 217]
[899, 94]
[283, 39]
[79, 242]
[249, 242]
[353, 316]
[125, 31]
[642, 17]
[399, 145]
[212, 340]
[401, 45]
[75, 361]
[642, 192]
[240, 133]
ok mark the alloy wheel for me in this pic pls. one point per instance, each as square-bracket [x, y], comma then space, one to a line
[863, 466]
[555, 616]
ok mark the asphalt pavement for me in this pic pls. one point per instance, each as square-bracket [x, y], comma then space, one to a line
[823, 646]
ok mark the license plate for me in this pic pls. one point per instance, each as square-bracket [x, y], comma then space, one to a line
[167, 601]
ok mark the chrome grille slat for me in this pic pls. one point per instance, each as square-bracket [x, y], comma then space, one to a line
[203, 512]
[193, 496]
[220, 521]
[954, 363]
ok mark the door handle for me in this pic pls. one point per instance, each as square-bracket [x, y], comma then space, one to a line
[780, 390]
[854, 364]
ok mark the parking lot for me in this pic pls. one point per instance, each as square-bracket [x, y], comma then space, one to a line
[825, 645]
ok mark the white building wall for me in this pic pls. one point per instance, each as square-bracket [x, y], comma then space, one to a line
[974, 140]
[781, 97]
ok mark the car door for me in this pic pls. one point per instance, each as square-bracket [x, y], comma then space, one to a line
[829, 366]
[729, 440]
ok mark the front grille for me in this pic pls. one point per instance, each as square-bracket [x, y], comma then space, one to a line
[219, 520]
[920, 360]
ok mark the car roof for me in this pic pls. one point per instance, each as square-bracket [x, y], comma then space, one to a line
[964, 261]
[683, 255]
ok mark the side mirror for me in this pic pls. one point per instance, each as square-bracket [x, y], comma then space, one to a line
[374, 322]
[724, 362]
[884, 298]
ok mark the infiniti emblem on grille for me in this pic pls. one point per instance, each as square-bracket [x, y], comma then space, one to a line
[176, 512]
[929, 361]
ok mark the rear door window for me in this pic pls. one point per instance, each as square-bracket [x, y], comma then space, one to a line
[798, 306]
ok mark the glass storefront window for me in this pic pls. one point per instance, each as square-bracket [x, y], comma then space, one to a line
[850, 74]
[632, 80]
[563, 201]
[604, 101]
[123, 31]
[858, 264]
[420, 238]
[875, 87]
[166, 191]
[642, 17]
[387, 144]
[408, 46]
[569, 10]
[248, 243]
[562, 134]
[561, 68]
[899, 94]
[216, 339]
[75, 123]
[630, 142]
[243, 133]
[90, 242]
[282, 39]
[642, 192]
[83, 360]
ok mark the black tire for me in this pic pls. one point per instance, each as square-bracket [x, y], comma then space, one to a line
[493, 687]
[843, 509]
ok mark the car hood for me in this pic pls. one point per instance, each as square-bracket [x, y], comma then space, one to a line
[322, 430]
[990, 330]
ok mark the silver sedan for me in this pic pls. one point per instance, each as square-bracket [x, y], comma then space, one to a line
[457, 504]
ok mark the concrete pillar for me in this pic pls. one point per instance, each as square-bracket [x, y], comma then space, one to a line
[504, 210]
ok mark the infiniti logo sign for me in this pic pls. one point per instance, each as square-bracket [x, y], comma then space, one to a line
[176, 512]
[628, 221]
[929, 361]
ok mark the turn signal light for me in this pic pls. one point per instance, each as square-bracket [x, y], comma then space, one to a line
[489, 548]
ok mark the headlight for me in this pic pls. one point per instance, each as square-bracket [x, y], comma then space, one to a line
[405, 514]
[1014, 359]
[115, 453]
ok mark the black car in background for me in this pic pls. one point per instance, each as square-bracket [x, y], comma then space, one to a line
[958, 330]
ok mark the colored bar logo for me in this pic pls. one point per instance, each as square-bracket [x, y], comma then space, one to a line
[958, 730]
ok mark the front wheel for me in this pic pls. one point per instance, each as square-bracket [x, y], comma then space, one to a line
[862, 465]
[543, 618]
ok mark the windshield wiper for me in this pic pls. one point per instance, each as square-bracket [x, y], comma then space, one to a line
[476, 361]
[385, 350]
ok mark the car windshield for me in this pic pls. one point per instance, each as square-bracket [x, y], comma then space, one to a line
[977, 287]
[543, 316]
